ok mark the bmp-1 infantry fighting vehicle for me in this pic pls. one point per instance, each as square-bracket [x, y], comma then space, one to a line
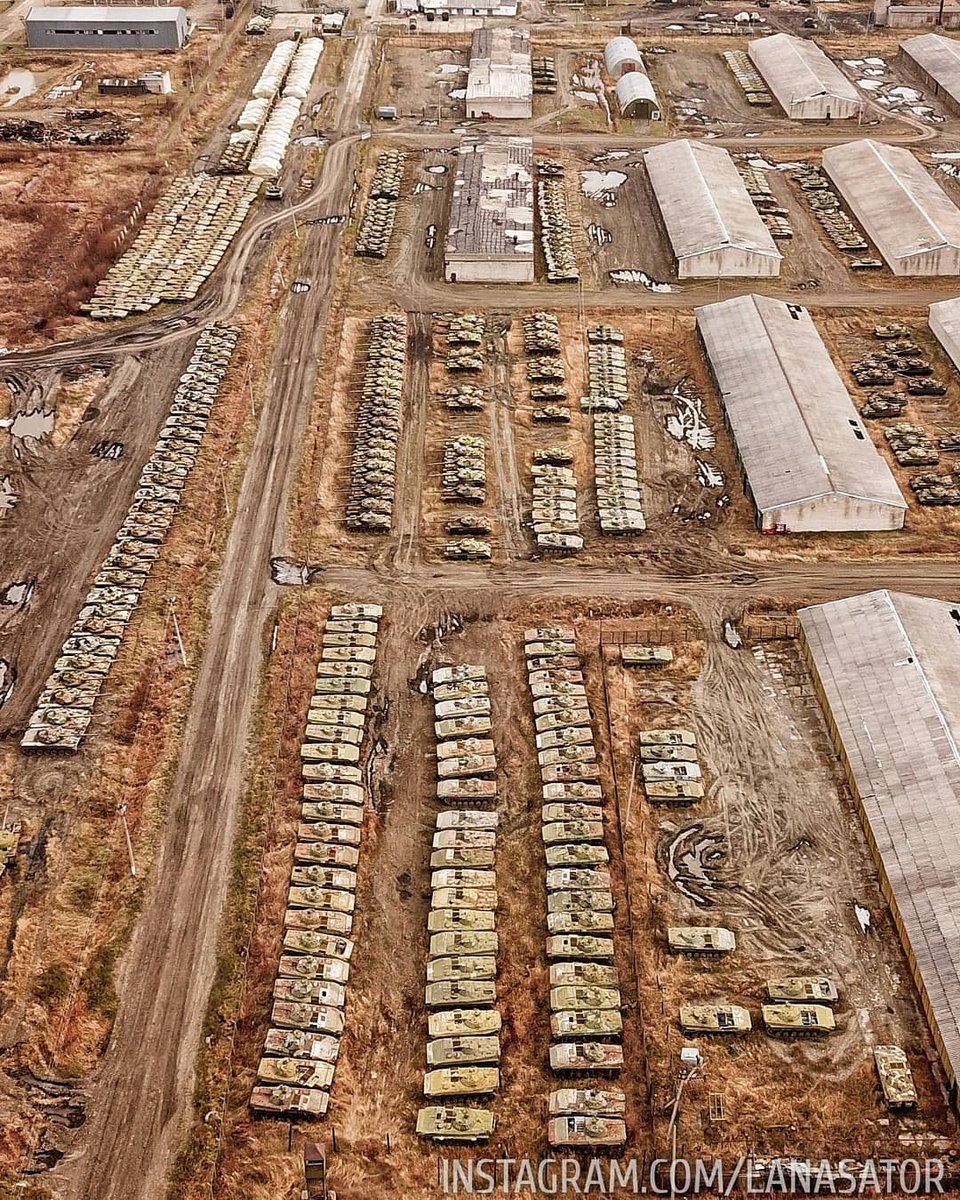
[800, 988]
[714, 1018]
[586, 1131]
[896, 1078]
[798, 1020]
[463, 1022]
[449, 1124]
[463, 1051]
[592, 1102]
[461, 1081]
[700, 939]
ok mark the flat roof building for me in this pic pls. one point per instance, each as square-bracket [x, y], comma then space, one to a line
[808, 464]
[907, 215]
[886, 666]
[490, 235]
[935, 61]
[805, 83]
[711, 221]
[93, 27]
[469, 8]
[500, 79]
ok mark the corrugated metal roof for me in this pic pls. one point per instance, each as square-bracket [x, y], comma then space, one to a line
[491, 209]
[104, 14]
[632, 87]
[939, 57]
[704, 202]
[889, 664]
[500, 65]
[796, 69]
[618, 52]
[793, 421]
[902, 207]
[944, 321]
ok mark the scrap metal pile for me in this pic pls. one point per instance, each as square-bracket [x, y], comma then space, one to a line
[556, 232]
[380, 214]
[585, 1004]
[181, 243]
[65, 706]
[463, 1047]
[296, 1071]
[373, 467]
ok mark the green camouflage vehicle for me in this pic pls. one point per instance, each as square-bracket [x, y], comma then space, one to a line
[583, 996]
[587, 974]
[796, 989]
[588, 1102]
[463, 1051]
[460, 993]
[297, 1072]
[467, 966]
[896, 1078]
[714, 1018]
[309, 1102]
[298, 1043]
[798, 1020]
[443, 944]
[450, 1124]
[586, 1131]
[587, 1056]
[586, 1023]
[700, 939]
[463, 1022]
[576, 854]
[455, 920]
[461, 1081]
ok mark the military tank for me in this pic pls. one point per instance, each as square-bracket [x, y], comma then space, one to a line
[586, 1023]
[463, 1051]
[594, 1102]
[287, 1014]
[449, 1124]
[463, 943]
[576, 854]
[312, 966]
[586, 1131]
[798, 1020]
[591, 974]
[460, 993]
[296, 1072]
[284, 1099]
[580, 946]
[800, 988]
[461, 1081]
[896, 1078]
[714, 1018]
[299, 1043]
[453, 920]
[587, 1056]
[465, 966]
[461, 856]
[463, 1022]
[584, 997]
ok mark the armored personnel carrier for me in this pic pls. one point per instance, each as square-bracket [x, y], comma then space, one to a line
[297, 1072]
[593, 1102]
[312, 966]
[288, 1014]
[714, 1018]
[310, 991]
[465, 966]
[573, 974]
[583, 997]
[586, 1131]
[299, 1043]
[598, 1057]
[462, 856]
[700, 939]
[461, 1081]
[465, 943]
[646, 656]
[576, 854]
[675, 793]
[449, 1124]
[580, 946]
[586, 1023]
[463, 840]
[463, 1022]
[453, 920]
[572, 831]
[896, 1078]
[284, 1099]
[324, 855]
[570, 810]
[580, 878]
[460, 993]
[466, 818]
[797, 989]
[318, 920]
[582, 900]
[463, 1051]
[798, 1020]
[564, 792]
[580, 922]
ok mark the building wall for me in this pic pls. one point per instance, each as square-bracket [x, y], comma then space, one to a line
[930, 85]
[458, 269]
[730, 263]
[915, 16]
[500, 107]
[142, 34]
[834, 514]
[823, 108]
[946, 340]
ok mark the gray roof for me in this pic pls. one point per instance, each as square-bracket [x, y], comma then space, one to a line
[796, 69]
[889, 665]
[491, 210]
[791, 416]
[944, 322]
[899, 204]
[103, 15]
[620, 50]
[500, 65]
[939, 57]
[704, 202]
[632, 87]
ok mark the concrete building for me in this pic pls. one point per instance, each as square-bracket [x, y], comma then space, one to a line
[805, 83]
[490, 235]
[636, 97]
[886, 667]
[935, 61]
[907, 215]
[101, 28]
[808, 464]
[621, 56]
[944, 321]
[445, 9]
[711, 222]
[915, 16]
[500, 79]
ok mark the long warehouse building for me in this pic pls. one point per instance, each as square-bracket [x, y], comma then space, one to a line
[711, 222]
[944, 321]
[806, 84]
[96, 27]
[500, 78]
[490, 235]
[886, 667]
[935, 61]
[908, 216]
[808, 464]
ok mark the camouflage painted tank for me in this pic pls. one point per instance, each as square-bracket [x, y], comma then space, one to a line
[463, 1051]
[315, 875]
[330, 773]
[595, 1102]
[323, 898]
[586, 1131]
[798, 1020]
[466, 818]
[462, 746]
[339, 793]
[461, 1081]
[668, 754]
[896, 1078]
[461, 840]
[463, 1022]
[296, 1072]
[540, 633]
[700, 939]
[449, 1124]
[673, 792]
[284, 1099]
[299, 1043]
[324, 831]
[714, 1018]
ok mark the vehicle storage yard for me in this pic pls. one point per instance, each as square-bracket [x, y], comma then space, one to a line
[426, 721]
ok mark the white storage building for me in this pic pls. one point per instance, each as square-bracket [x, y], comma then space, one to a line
[907, 215]
[711, 222]
[500, 79]
[806, 84]
[944, 321]
[935, 61]
[621, 56]
[490, 235]
[636, 97]
[886, 667]
[808, 464]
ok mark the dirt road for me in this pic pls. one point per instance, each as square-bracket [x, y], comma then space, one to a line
[128, 1147]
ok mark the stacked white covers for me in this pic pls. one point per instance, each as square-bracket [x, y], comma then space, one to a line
[268, 85]
[301, 72]
[254, 113]
[267, 159]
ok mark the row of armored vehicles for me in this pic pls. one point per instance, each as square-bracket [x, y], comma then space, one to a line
[181, 242]
[585, 1002]
[373, 465]
[380, 214]
[670, 767]
[555, 515]
[606, 370]
[296, 1070]
[545, 370]
[463, 1024]
[464, 478]
[64, 708]
[556, 230]
[619, 502]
